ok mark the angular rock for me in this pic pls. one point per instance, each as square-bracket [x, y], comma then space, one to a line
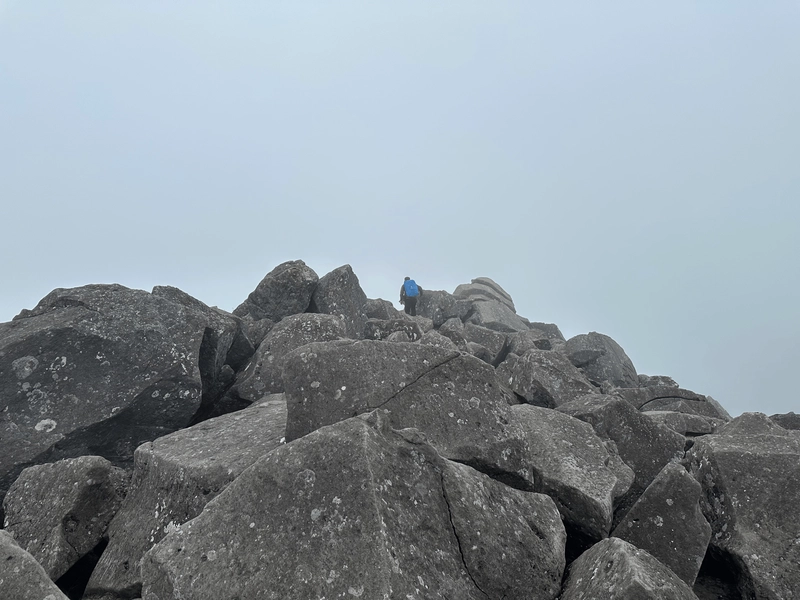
[351, 510]
[656, 381]
[481, 352]
[59, 512]
[574, 467]
[380, 330]
[339, 293]
[264, 373]
[21, 577]
[381, 309]
[751, 483]
[616, 570]
[174, 478]
[439, 306]
[667, 522]
[751, 423]
[638, 397]
[284, 291]
[434, 338]
[98, 370]
[544, 378]
[535, 339]
[602, 359]
[690, 407]
[484, 288]
[644, 445]
[454, 329]
[493, 341]
[788, 420]
[495, 315]
[686, 424]
[551, 330]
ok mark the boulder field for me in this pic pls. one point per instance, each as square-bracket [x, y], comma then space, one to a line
[319, 444]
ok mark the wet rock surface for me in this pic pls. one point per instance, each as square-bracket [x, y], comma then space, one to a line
[462, 453]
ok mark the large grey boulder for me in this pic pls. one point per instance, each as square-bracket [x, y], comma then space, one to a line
[638, 397]
[434, 338]
[174, 478]
[573, 466]
[751, 483]
[98, 370]
[543, 378]
[643, 444]
[284, 291]
[454, 399]
[616, 570]
[535, 339]
[689, 407]
[21, 577]
[493, 341]
[688, 425]
[483, 288]
[667, 522]
[264, 373]
[453, 329]
[339, 293]
[788, 420]
[751, 423]
[59, 512]
[439, 306]
[602, 359]
[355, 510]
[377, 308]
[496, 315]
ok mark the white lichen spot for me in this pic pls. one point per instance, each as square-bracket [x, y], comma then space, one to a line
[283, 440]
[252, 525]
[211, 555]
[25, 366]
[337, 395]
[155, 394]
[336, 500]
[316, 514]
[315, 384]
[670, 502]
[357, 592]
[171, 527]
[659, 521]
[45, 425]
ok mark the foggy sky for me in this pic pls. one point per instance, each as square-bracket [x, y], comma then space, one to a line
[625, 168]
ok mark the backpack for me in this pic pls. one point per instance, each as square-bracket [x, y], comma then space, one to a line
[411, 288]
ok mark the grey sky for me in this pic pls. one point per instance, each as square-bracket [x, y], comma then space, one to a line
[629, 168]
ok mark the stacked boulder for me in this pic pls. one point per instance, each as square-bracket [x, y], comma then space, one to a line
[316, 443]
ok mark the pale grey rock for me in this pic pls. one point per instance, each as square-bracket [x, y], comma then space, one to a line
[484, 288]
[434, 338]
[21, 577]
[495, 315]
[339, 293]
[493, 341]
[751, 423]
[543, 378]
[667, 522]
[284, 291]
[440, 306]
[686, 424]
[602, 359]
[58, 512]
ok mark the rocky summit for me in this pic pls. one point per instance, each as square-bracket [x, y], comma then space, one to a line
[318, 444]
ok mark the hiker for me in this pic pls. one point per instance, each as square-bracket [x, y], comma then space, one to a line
[409, 293]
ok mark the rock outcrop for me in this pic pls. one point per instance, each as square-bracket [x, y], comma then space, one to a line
[464, 453]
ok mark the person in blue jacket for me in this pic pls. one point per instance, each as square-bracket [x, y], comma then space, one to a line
[409, 293]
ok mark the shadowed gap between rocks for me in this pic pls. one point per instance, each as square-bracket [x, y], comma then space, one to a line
[73, 582]
[721, 577]
[215, 384]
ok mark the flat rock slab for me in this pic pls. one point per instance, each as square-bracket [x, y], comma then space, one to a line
[21, 577]
[544, 378]
[573, 466]
[616, 570]
[284, 291]
[667, 522]
[692, 407]
[58, 512]
[339, 293]
[174, 478]
[602, 359]
[98, 370]
[264, 373]
[484, 288]
[683, 423]
[751, 484]
[643, 444]
[495, 315]
[354, 510]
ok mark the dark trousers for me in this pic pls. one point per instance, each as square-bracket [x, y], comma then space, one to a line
[411, 306]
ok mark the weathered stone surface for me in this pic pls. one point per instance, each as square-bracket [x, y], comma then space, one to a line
[638, 397]
[690, 407]
[484, 288]
[788, 420]
[439, 306]
[751, 483]
[495, 315]
[551, 330]
[751, 423]
[616, 570]
[351, 510]
[454, 329]
[381, 309]
[544, 378]
[284, 291]
[573, 466]
[686, 424]
[339, 293]
[481, 352]
[174, 478]
[99, 370]
[434, 338]
[519, 343]
[60, 511]
[21, 577]
[602, 359]
[264, 373]
[380, 330]
[667, 522]
[644, 445]
[656, 381]
[494, 341]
